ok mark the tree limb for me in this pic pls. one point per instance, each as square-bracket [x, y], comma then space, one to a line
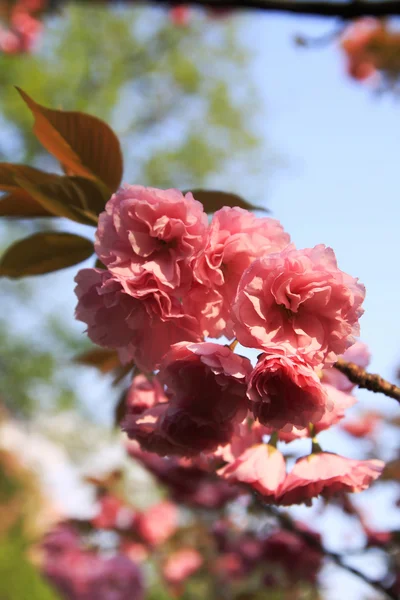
[369, 381]
[343, 10]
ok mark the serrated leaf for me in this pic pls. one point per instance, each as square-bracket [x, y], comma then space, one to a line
[43, 253]
[83, 144]
[66, 197]
[102, 358]
[213, 200]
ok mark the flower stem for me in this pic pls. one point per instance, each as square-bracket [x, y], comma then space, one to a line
[233, 345]
[273, 440]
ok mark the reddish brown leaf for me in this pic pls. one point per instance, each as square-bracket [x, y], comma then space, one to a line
[9, 172]
[43, 253]
[66, 197]
[120, 409]
[121, 372]
[103, 359]
[213, 200]
[18, 204]
[391, 471]
[99, 265]
[83, 144]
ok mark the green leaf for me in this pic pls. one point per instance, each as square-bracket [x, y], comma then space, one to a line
[19, 578]
[43, 253]
[213, 200]
[83, 144]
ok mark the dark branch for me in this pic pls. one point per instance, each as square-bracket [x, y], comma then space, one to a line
[369, 381]
[286, 522]
[344, 10]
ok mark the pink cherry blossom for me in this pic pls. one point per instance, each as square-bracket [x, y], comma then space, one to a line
[300, 561]
[208, 380]
[207, 305]
[206, 384]
[235, 239]
[338, 402]
[113, 514]
[83, 575]
[60, 540]
[151, 231]
[364, 426]
[245, 434]
[180, 15]
[157, 524]
[169, 430]
[284, 392]
[141, 330]
[358, 354]
[327, 474]
[358, 44]
[301, 299]
[143, 394]
[181, 564]
[187, 482]
[262, 467]
[119, 579]
[146, 429]
[189, 433]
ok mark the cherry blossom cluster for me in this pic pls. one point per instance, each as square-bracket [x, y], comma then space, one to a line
[78, 573]
[23, 28]
[73, 561]
[372, 50]
[171, 281]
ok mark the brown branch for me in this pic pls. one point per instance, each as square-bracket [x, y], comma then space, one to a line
[343, 10]
[369, 381]
[286, 522]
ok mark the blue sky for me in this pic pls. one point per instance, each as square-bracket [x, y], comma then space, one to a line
[341, 185]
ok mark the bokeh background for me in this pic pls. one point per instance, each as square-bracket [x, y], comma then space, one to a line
[229, 102]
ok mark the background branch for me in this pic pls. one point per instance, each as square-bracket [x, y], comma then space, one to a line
[286, 522]
[344, 10]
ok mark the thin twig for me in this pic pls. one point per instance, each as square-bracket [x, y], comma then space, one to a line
[369, 381]
[320, 41]
[286, 522]
[344, 10]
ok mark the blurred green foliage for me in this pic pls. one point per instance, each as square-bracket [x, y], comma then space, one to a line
[19, 579]
[181, 101]
[170, 92]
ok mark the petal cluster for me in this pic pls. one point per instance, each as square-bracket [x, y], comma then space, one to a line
[301, 299]
[171, 280]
